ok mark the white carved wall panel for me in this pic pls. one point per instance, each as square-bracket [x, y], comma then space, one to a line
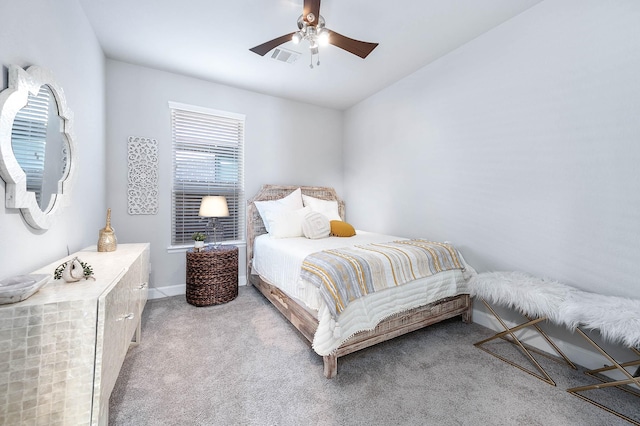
[142, 191]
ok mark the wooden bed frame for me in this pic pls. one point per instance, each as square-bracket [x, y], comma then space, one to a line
[305, 321]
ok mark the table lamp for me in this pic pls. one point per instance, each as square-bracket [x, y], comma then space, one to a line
[213, 207]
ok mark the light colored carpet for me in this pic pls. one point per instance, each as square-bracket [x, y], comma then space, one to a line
[242, 363]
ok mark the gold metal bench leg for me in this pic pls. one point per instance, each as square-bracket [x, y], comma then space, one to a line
[553, 345]
[632, 379]
[514, 340]
[596, 373]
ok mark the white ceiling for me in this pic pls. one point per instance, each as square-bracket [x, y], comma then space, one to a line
[210, 40]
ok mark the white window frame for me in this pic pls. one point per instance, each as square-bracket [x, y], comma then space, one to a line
[194, 176]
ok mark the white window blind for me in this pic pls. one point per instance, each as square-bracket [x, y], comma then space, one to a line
[208, 159]
[29, 137]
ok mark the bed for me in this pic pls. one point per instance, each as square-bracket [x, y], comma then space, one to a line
[377, 317]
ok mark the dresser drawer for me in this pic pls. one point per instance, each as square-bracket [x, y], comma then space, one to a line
[140, 269]
[121, 317]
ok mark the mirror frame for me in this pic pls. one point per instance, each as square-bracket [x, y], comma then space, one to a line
[13, 99]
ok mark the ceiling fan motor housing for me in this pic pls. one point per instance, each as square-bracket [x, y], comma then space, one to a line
[310, 18]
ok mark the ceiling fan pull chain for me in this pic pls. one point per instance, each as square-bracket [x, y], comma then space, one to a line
[311, 60]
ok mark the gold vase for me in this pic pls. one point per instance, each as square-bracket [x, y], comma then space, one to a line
[107, 240]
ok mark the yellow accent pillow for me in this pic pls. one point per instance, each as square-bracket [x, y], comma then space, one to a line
[342, 229]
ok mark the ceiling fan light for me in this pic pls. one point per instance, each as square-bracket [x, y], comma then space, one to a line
[323, 38]
[296, 37]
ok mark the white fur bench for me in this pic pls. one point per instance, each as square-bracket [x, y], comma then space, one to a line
[617, 319]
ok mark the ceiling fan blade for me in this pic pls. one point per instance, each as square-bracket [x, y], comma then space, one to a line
[311, 6]
[357, 47]
[263, 48]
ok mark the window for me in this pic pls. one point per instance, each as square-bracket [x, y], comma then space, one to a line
[207, 160]
[29, 138]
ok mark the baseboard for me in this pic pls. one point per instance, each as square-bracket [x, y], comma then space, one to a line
[180, 289]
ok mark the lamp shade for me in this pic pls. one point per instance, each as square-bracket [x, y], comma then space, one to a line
[213, 206]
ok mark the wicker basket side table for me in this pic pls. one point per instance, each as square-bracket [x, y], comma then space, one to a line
[212, 275]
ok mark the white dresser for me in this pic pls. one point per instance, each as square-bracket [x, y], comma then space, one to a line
[61, 350]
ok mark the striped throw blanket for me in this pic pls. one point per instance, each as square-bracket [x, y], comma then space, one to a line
[343, 275]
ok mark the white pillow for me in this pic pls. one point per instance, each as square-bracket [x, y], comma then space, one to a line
[315, 225]
[286, 223]
[327, 208]
[291, 202]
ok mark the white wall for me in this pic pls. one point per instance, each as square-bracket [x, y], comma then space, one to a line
[57, 36]
[285, 143]
[522, 147]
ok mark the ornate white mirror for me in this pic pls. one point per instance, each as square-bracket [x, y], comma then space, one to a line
[37, 151]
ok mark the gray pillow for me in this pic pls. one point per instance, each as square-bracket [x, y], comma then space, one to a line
[316, 225]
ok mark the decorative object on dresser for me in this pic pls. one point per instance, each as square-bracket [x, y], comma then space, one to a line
[73, 270]
[413, 305]
[67, 342]
[107, 240]
[213, 207]
[142, 191]
[212, 275]
[21, 287]
[35, 120]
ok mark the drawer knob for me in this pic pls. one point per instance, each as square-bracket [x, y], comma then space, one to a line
[128, 316]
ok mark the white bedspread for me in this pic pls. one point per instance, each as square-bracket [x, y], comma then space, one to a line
[278, 262]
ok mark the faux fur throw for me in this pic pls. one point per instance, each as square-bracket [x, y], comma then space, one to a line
[617, 318]
[527, 294]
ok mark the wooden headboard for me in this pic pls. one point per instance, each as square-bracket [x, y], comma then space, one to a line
[255, 226]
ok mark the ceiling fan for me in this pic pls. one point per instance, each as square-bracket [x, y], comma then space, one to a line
[311, 27]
